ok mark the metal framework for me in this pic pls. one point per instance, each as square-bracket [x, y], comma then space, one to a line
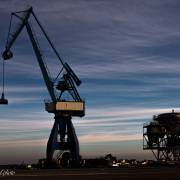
[162, 136]
[63, 136]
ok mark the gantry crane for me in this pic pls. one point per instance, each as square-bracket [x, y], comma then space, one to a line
[62, 136]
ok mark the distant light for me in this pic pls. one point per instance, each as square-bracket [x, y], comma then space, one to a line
[29, 166]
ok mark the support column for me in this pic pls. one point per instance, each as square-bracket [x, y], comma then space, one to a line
[63, 137]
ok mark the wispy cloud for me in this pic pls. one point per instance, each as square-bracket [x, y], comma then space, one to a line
[115, 123]
[24, 89]
[21, 143]
[108, 138]
[126, 53]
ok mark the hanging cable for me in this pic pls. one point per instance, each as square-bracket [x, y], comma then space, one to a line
[3, 78]
[2, 99]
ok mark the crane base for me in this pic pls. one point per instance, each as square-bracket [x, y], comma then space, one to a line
[63, 138]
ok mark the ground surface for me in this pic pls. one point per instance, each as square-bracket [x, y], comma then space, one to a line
[165, 173]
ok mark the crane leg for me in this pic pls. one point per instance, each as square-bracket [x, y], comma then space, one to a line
[52, 143]
[63, 138]
[74, 144]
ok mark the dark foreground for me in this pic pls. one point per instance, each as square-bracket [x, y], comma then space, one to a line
[165, 173]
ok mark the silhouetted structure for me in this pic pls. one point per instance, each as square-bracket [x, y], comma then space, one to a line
[162, 136]
[63, 137]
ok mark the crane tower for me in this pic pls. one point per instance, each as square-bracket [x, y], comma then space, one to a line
[62, 136]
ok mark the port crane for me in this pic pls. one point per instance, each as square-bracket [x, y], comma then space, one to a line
[62, 136]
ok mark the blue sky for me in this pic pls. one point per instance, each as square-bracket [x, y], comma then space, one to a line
[125, 52]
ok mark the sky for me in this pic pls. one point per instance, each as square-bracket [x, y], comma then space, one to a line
[125, 52]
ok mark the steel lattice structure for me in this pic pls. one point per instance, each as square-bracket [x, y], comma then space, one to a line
[162, 136]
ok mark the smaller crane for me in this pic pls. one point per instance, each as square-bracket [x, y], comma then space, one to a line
[63, 136]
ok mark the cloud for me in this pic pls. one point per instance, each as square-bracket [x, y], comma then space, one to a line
[125, 52]
[108, 138]
[82, 140]
[21, 143]
[103, 51]
[28, 125]
[110, 121]
[126, 111]
[24, 89]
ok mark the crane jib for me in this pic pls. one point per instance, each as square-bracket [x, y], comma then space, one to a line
[13, 36]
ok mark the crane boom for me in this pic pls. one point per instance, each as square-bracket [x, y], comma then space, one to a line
[7, 54]
[39, 57]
